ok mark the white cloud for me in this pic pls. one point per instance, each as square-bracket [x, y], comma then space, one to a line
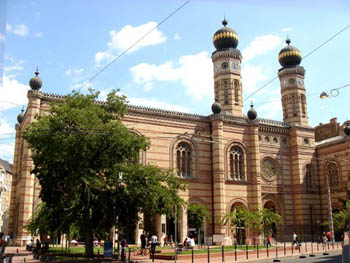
[271, 108]
[261, 45]
[127, 36]
[154, 103]
[2, 38]
[39, 34]
[177, 36]
[194, 71]
[74, 71]
[286, 29]
[12, 91]
[5, 128]
[8, 27]
[6, 151]
[251, 76]
[20, 30]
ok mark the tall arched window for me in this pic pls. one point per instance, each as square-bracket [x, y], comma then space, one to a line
[236, 91]
[236, 163]
[184, 160]
[294, 105]
[333, 177]
[308, 177]
[303, 103]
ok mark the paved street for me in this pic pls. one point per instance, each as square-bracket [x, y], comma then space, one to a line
[334, 257]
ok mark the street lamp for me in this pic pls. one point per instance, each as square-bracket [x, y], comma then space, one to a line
[333, 93]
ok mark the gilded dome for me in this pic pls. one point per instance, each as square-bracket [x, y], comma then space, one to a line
[225, 38]
[289, 56]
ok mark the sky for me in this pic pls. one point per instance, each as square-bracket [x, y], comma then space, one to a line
[171, 68]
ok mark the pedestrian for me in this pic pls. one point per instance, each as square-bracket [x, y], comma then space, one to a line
[295, 238]
[329, 236]
[37, 249]
[268, 243]
[3, 244]
[154, 242]
[143, 243]
[124, 245]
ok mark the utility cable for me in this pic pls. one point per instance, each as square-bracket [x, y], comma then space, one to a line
[134, 44]
[307, 55]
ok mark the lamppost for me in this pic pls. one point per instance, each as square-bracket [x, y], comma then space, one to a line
[330, 215]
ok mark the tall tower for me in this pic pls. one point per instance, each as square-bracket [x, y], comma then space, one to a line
[292, 76]
[227, 70]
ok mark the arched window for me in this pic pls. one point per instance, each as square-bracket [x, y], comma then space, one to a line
[333, 177]
[236, 91]
[294, 105]
[226, 96]
[184, 160]
[303, 103]
[308, 177]
[236, 163]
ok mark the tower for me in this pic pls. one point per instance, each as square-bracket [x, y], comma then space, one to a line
[227, 70]
[291, 76]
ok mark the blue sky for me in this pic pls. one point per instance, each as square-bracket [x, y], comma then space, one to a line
[170, 69]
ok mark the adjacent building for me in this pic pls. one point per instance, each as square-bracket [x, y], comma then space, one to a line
[5, 193]
[228, 158]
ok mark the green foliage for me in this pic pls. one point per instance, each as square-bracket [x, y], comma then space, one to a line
[197, 214]
[236, 217]
[84, 159]
[342, 219]
[262, 220]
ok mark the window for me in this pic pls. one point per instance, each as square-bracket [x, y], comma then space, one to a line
[294, 105]
[184, 160]
[332, 173]
[226, 96]
[236, 91]
[236, 163]
[308, 177]
[303, 103]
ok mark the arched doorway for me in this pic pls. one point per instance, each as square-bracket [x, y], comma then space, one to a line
[272, 230]
[237, 223]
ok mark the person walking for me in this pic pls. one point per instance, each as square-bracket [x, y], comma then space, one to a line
[268, 239]
[143, 243]
[295, 238]
[124, 245]
[154, 242]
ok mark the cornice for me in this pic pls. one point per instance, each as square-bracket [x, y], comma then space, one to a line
[291, 71]
[230, 53]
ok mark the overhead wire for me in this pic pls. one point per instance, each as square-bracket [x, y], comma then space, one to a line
[307, 55]
[134, 44]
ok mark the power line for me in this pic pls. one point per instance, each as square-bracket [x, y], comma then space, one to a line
[307, 55]
[134, 44]
[9, 102]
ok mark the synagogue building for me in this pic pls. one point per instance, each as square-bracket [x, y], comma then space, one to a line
[229, 158]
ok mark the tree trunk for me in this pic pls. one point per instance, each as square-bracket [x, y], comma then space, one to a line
[89, 246]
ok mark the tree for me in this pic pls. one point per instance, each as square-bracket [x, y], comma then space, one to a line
[236, 219]
[197, 214]
[86, 163]
[262, 220]
[342, 219]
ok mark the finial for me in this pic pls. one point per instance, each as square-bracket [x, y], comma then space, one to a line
[288, 41]
[36, 71]
[224, 22]
[216, 99]
[251, 104]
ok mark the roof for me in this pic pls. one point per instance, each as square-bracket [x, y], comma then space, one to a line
[6, 165]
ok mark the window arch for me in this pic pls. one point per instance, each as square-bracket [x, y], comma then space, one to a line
[236, 91]
[184, 160]
[333, 175]
[308, 177]
[236, 163]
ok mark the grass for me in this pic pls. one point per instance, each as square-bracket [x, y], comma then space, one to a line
[74, 250]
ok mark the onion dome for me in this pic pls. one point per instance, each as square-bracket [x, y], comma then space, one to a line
[252, 114]
[289, 56]
[20, 117]
[347, 129]
[225, 38]
[35, 82]
[216, 107]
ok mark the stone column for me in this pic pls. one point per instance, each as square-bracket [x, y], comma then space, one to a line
[253, 163]
[219, 176]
